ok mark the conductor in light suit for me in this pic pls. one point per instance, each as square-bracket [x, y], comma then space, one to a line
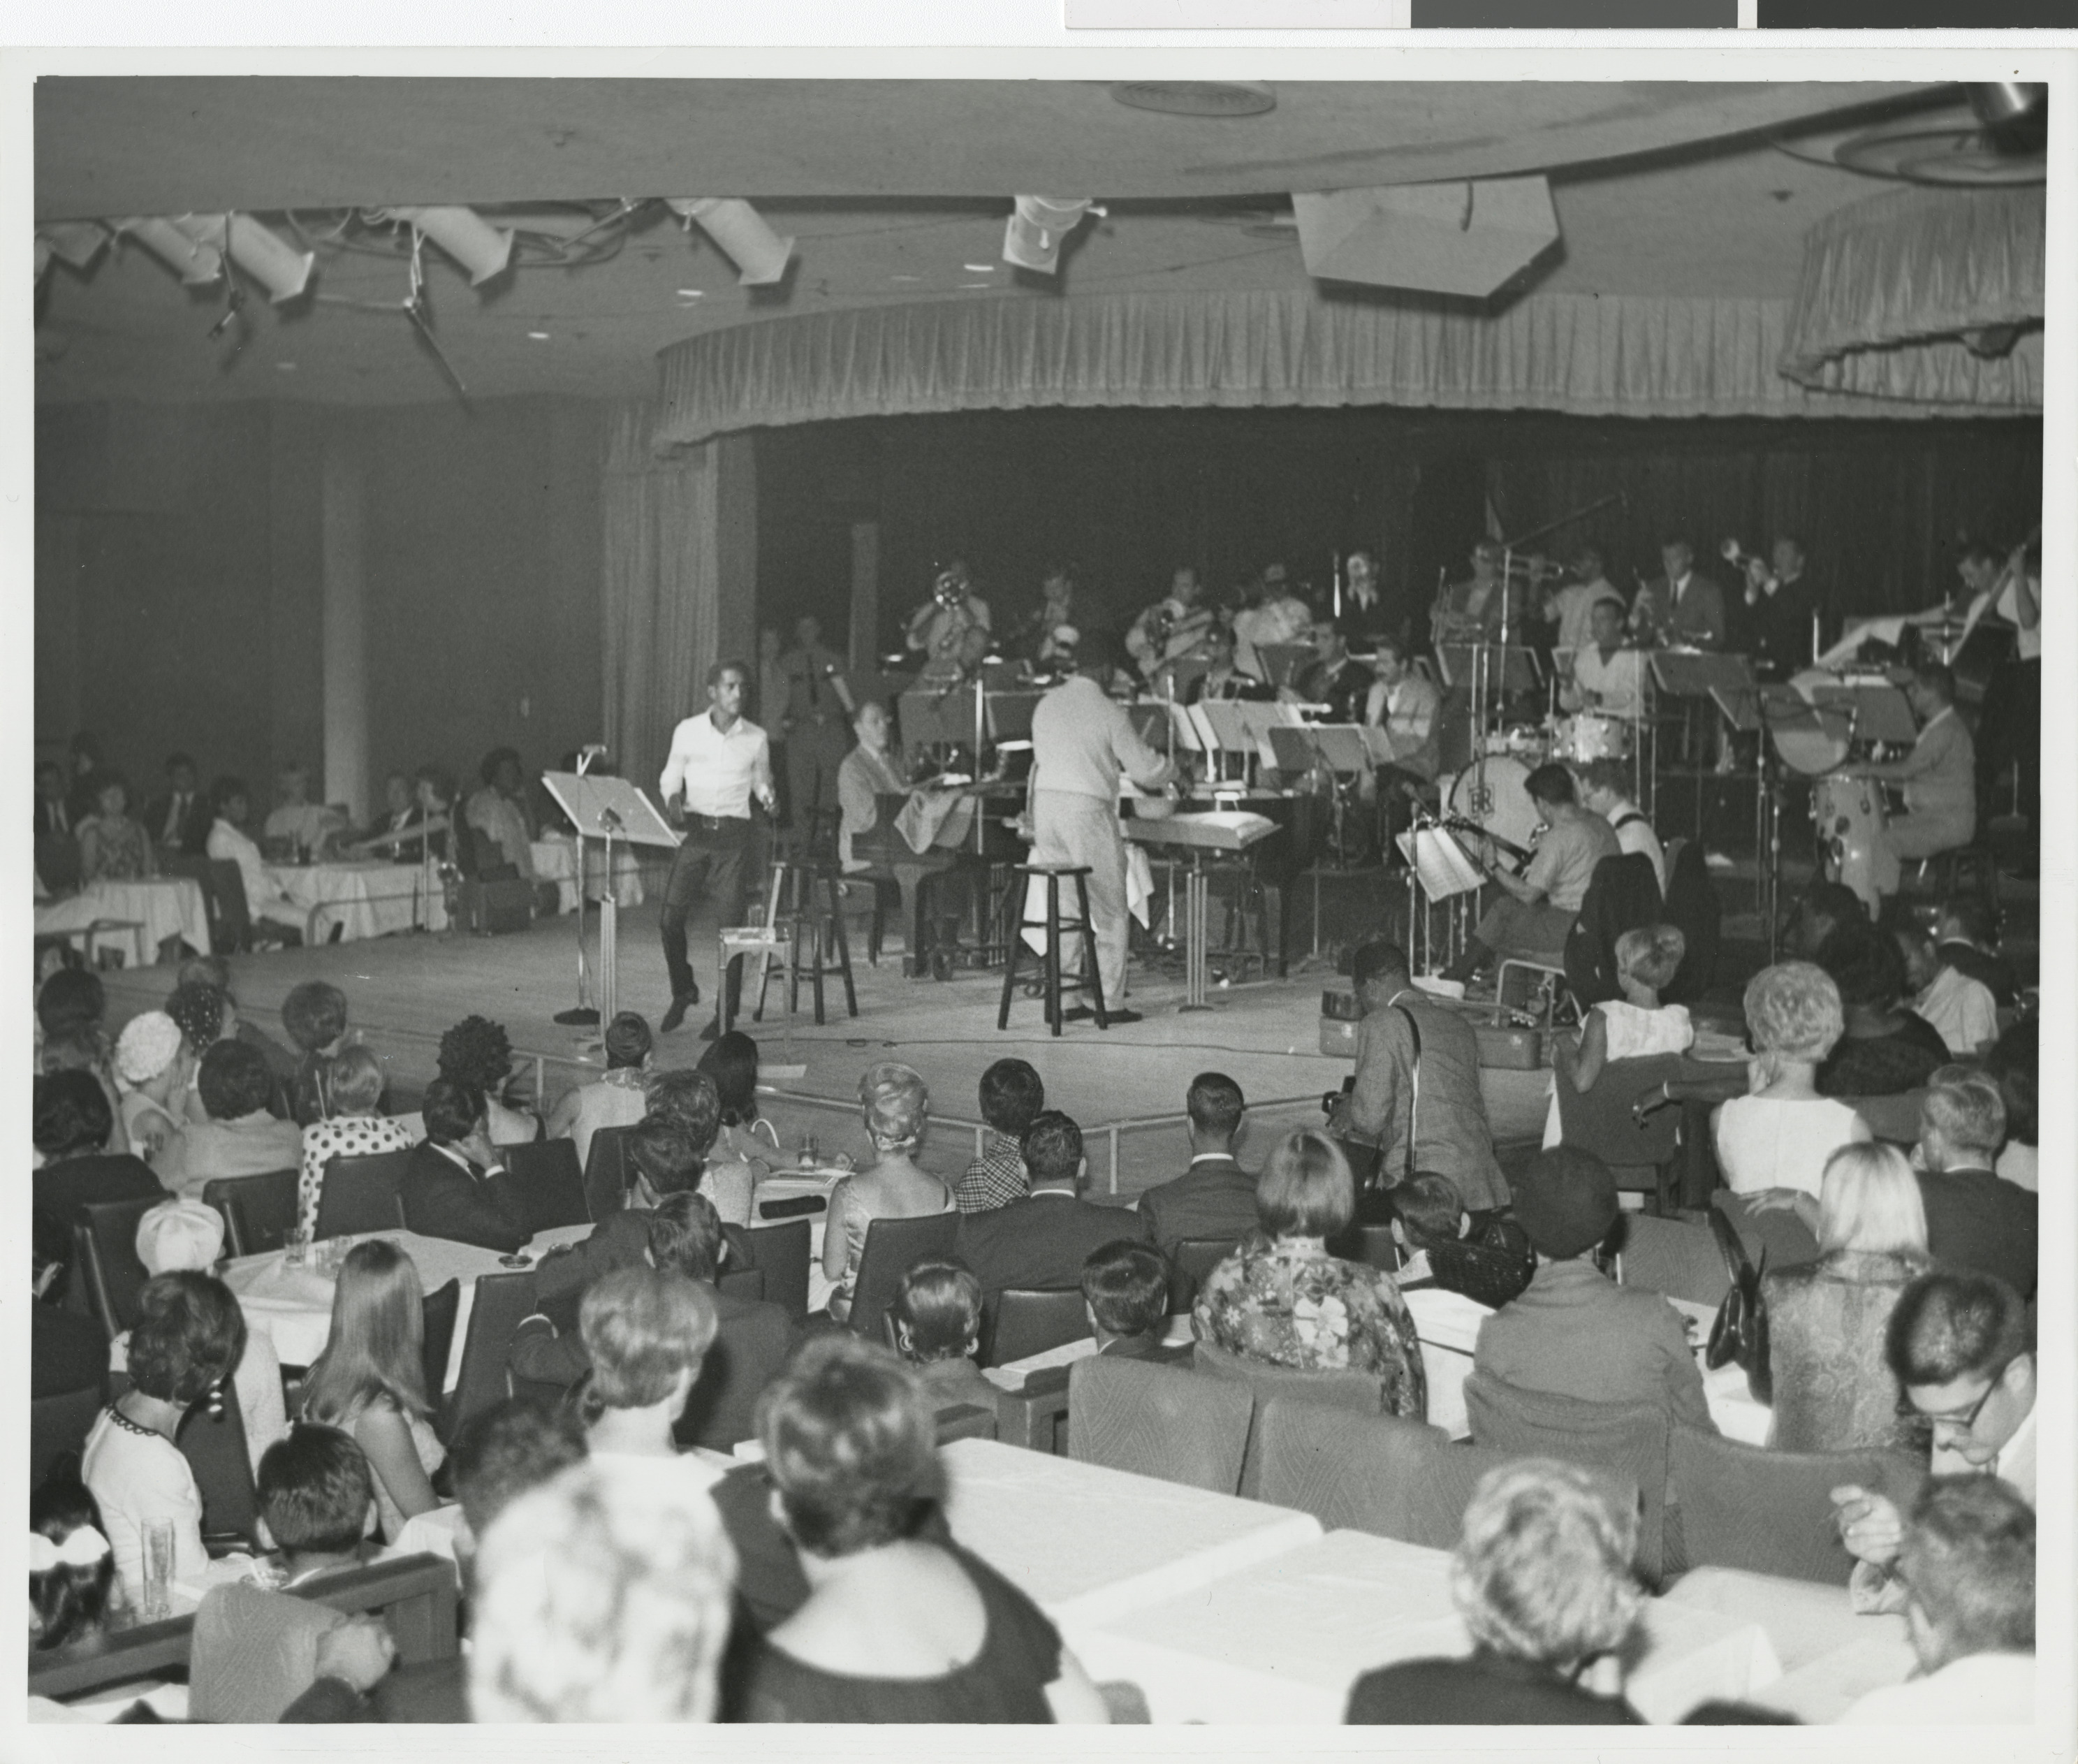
[1082, 742]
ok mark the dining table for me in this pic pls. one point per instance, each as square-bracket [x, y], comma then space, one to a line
[140, 916]
[291, 1302]
[364, 897]
[556, 860]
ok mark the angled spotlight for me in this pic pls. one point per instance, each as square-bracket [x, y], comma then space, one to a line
[1038, 226]
[78, 242]
[760, 254]
[481, 249]
[193, 262]
[282, 272]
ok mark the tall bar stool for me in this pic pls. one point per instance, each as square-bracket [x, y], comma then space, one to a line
[805, 905]
[1051, 981]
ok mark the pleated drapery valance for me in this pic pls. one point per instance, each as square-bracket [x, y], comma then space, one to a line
[1616, 355]
[1929, 296]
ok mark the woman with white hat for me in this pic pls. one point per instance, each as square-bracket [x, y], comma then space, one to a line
[151, 1067]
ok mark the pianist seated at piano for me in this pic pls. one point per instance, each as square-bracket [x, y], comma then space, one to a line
[1225, 680]
[1939, 775]
[872, 769]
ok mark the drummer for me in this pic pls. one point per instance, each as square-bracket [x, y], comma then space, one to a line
[1606, 677]
[1940, 775]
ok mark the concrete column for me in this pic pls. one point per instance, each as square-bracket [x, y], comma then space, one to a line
[865, 595]
[345, 596]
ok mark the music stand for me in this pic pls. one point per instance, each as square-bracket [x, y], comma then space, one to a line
[1876, 710]
[1281, 660]
[604, 809]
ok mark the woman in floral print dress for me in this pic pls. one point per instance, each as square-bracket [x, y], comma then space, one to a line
[1281, 1297]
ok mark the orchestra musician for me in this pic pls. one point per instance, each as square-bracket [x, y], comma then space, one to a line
[818, 713]
[1033, 640]
[1606, 676]
[1225, 679]
[1680, 608]
[1172, 629]
[1277, 615]
[1472, 611]
[1939, 775]
[952, 628]
[2010, 730]
[1568, 608]
[1361, 611]
[1333, 678]
[1780, 599]
[1407, 707]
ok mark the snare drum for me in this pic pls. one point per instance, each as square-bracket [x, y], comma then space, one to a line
[1849, 815]
[1494, 794]
[1590, 736]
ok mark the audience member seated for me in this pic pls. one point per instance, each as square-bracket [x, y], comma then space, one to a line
[1887, 1049]
[1012, 1096]
[746, 1137]
[1974, 1220]
[185, 1236]
[617, 1099]
[1041, 1242]
[1125, 1296]
[178, 819]
[54, 815]
[112, 844]
[1604, 787]
[477, 1054]
[388, 833]
[240, 1137]
[69, 1118]
[204, 1011]
[1960, 1008]
[1833, 1390]
[1574, 1332]
[1542, 1580]
[70, 1007]
[72, 1570]
[602, 1595]
[937, 1319]
[1779, 1136]
[456, 1185]
[1440, 1245]
[646, 1331]
[1968, 1557]
[497, 816]
[190, 1333]
[151, 1068]
[351, 1126]
[1376, 1119]
[316, 1493]
[371, 1381]
[1966, 937]
[1821, 910]
[2015, 1062]
[1635, 1027]
[295, 821]
[1961, 1346]
[274, 915]
[895, 1628]
[314, 1015]
[1282, 1298]
[1214, 1197]
[896, 1107]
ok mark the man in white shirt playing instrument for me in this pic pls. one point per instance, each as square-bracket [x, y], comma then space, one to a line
[722, 764]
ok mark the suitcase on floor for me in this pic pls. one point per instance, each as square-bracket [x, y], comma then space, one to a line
[492, 909]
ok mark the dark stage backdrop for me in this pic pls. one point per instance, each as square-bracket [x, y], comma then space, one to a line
[1882, 507]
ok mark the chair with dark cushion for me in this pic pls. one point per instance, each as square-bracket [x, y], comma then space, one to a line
[1160, 1421]
[744, 1283]
[1194, 1258]
[965, 1421]
[1673, 1257]
[1015, 1324]
[259, 1211]
[60, 1424]
[606, 1172]
[1358, 1391]
[229, 914]
[215, 1446]
[1642, 1155]
[106, 1246]
[1770, 1512]
[1629, 1438]
[359, 1194]
[502, 1301]
[550, 1183]
[1367, 1242]
[781, 1253]
[1351, 1471]
[443, 1308]
[57, 862]
[1785, 1238]
[60, 1191]
[893, 1247]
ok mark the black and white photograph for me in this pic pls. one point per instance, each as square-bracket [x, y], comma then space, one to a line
[1188, 889]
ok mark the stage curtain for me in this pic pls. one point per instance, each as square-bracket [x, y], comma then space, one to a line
[662, 588]
[1583, 354]
[1929, 296]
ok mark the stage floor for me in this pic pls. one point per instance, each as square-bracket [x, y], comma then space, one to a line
[404, 991]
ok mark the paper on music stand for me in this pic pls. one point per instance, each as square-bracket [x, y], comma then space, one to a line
[1340, 745]
[1439, 864]
[587, 799]
[1188, 735]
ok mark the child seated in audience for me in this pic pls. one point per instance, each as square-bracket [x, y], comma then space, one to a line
[314, 1015]
[151, 1067]
[1125, 1296]
[1439, 1247]
[936, 1317]
[1635, 1027]
[1960, 1008]
[317, 1500]
[477, 1054]
[1012, 1094]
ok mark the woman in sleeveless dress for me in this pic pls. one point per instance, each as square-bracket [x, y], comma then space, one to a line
[1633, 1027]
[896, 1106]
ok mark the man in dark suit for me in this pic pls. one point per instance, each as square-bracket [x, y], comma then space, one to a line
[666, 1154]
[1215, 1197]
[1125, 1292]
[1975, 1219]
[1679, 607]
[1041, 1242]
[54, 815]
[455, 1186]
[177, 820]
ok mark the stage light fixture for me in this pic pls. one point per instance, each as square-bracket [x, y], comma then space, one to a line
[1037, 229]
[1467, 239]
[77, 242]
[283, 272]
[194, 261]
[481, 249]
[760, 254]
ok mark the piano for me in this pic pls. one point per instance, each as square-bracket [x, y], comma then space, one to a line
[992, 841]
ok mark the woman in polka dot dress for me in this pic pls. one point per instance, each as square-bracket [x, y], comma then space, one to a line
[352, 1129]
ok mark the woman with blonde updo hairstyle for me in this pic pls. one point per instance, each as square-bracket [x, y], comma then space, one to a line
[895, 1105]
[1635, 1027]
[1779, 1134]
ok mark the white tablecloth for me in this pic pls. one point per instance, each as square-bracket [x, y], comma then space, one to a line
[1089, 1544]
[556, 860]
[1284, 1638]
[293, 1305]
[166, 906]
[370, 899]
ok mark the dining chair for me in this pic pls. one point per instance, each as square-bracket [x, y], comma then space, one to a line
[606, 1172]
[1019, 1322]
[442, 1306]
[60, 1424]
[214, 1444]
[550, 1184]
[502, 1301]
[781, 1253]
[1358, 1391]
[1159, 1421]
[742, 1283]
[58, 1191]
[359, 1194]
[105, 1240]
[893, 1247]
[259, 1212]
[1350, 1470]
[1193, 1259]
[1674, 1256]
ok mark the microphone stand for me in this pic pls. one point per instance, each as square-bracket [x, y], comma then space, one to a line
[581, 1015]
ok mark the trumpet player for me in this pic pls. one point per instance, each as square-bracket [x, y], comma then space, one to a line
[1779, 602]
[1570, 608]
[1475, 610]
[951, 628]
[1680, 608]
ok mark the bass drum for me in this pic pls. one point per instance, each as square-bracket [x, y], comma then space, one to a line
[1493, 795]
[1851, 846]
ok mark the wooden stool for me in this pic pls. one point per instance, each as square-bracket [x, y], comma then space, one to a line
[1050, 978]
[761, 941]
[792, 910]
[1943, 874]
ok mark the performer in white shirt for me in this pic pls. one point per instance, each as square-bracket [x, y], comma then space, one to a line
[722, 764]
[1607, 677]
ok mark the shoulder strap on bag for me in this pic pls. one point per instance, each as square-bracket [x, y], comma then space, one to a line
[1414, 1079]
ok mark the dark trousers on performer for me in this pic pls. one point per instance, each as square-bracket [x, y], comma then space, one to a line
[2010, 730]
[715, 860]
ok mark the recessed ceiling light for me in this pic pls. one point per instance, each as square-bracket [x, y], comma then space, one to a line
[979, 269]
[977, 284]
[905, 278]
[692, 294]
[1195, 97]
[284, 367]
[538, 337]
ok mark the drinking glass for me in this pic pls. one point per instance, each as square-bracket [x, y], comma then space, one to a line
[158, 1595]
[810, 1150]
[297, 1250]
